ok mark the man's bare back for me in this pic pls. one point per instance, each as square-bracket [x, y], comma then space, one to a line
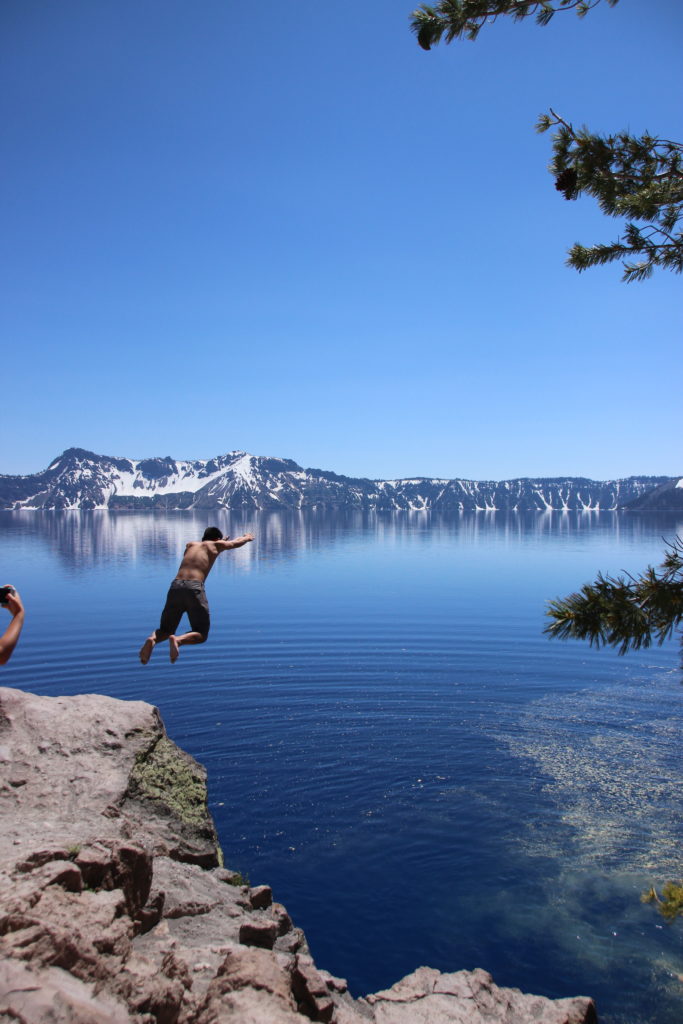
[200, 555]
[186, 595]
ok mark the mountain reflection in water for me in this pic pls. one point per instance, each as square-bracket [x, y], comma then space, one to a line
[83, 539]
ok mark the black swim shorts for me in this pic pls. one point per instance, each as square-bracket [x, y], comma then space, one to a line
[186, 596]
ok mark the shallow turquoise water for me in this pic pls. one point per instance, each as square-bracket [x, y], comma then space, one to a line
[391, 742]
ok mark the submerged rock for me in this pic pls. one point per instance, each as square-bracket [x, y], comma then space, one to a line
[115, 907]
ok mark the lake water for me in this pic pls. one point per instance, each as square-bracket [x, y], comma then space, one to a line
[391, 742]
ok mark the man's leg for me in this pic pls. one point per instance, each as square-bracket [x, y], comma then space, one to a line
[176, 642]
[150, 643]
[170, 617]
[197, 609]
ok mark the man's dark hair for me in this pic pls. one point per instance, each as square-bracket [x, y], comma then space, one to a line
[212, 533]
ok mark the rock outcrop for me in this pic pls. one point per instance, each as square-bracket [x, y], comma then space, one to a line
[115, 907]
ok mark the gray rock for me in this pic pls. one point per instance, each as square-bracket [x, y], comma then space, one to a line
[230, 877]
[294, 941]
[82, 787]
[470, 997]
[52, 996]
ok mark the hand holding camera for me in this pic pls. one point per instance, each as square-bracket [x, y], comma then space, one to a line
[9, 599]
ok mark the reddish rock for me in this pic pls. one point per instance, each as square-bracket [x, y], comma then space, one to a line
[261, 897]
[310, 991]
[262, 933]
[250, 985]
[40, 857]
[280, 915]
[60, 872]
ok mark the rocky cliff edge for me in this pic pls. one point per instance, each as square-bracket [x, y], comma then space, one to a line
[115, 907]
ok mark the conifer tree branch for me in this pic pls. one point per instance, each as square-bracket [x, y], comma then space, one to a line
[626, 612]
[638, 177]
[454, 19]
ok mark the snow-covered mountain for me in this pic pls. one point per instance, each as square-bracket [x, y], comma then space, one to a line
[667, 496]
[79, 479]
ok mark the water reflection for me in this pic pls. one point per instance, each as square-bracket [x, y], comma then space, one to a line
[83, 539]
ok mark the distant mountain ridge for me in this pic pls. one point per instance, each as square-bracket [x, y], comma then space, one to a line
[79, 479]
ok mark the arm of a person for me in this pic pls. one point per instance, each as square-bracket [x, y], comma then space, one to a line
[228, 545]
[8, 640]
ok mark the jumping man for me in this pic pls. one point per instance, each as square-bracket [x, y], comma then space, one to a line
[186, 594]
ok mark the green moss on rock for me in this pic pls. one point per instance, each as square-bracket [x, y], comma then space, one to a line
[172, 786]
[165, 774]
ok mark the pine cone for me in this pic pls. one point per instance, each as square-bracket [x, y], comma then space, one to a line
[566, 183]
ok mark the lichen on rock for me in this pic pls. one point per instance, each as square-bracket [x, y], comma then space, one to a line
[169, 777]
[173, 785]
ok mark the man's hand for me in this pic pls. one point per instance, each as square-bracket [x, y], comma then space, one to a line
[13, 602]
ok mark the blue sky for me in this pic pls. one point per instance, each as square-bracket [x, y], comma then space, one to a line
[284, 228]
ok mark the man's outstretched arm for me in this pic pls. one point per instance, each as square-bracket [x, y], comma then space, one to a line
[8, 641]
[227, 544]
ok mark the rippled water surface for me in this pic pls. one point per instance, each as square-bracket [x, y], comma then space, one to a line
[391, 742]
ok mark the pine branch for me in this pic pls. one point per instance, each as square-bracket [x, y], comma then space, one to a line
[636, 177]
[625, 612]
[464, 19]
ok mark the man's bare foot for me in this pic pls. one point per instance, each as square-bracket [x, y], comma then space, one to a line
[146, 650]
[174, 649]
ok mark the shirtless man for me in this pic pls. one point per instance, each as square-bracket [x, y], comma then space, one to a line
[186, 594]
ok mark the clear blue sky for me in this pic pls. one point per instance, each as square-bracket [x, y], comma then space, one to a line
[283, 227]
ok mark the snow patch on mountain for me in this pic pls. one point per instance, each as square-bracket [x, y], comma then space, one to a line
[185, 478]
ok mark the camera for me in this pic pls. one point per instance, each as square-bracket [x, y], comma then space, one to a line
[5, 592]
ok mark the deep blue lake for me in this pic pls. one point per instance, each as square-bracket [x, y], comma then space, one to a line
[391, 742]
